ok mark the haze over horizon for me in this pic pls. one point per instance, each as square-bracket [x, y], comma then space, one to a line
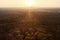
[37, 3]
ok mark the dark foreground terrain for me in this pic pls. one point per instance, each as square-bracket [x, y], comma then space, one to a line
[16, 25]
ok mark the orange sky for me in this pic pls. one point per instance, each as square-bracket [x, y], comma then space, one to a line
[37, 3]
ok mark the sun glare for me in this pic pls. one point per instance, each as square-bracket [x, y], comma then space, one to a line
[29, 3]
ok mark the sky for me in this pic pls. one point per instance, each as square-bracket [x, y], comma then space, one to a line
[37, 3]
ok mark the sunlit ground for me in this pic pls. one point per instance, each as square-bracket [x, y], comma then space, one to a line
[29, 24]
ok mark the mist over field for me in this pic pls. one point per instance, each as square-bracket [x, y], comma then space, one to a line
[44, 24]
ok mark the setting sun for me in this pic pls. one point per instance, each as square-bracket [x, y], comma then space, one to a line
[29, 3]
